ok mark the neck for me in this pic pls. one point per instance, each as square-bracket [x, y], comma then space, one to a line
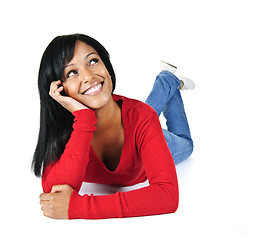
[107, 115]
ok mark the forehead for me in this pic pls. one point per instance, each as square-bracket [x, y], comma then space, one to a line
[82, 49]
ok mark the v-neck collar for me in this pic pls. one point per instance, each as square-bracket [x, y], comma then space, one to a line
[122, 103]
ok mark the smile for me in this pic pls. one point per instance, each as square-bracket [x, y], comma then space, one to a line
[94, 89]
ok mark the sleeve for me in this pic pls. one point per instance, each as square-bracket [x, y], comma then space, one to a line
[160, 197]
[71, 166]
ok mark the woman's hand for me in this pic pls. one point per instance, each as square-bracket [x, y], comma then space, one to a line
[67, 102]
[56, 203]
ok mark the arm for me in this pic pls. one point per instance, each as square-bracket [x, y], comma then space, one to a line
[158, 198]
[71, 166]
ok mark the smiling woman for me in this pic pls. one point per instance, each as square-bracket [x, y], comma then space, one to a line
[86, 78]
[89, 134]
[56, 121]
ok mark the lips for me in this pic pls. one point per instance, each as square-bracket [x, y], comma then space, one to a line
[94, 89]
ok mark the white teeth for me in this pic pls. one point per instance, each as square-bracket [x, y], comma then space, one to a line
[93, 88]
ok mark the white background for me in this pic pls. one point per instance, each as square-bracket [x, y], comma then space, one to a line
[221, 45]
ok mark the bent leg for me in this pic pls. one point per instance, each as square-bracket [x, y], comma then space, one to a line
[178, 135]
[165, 97]
[174, 113]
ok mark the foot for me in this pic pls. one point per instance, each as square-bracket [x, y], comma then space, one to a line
[186, 84]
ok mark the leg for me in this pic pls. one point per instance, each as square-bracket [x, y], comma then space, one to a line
[170, 102]
[178, 136]
[163, 89]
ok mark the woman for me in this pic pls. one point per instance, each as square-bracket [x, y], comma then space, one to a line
[89, 134]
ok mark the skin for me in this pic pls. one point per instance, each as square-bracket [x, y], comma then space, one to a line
[84, 70]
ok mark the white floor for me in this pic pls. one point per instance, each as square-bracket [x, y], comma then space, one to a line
[101, 189]
[221, 45]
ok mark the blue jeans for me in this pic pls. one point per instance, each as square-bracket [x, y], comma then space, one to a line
[166, 97]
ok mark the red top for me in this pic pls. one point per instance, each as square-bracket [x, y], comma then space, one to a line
[145, 155]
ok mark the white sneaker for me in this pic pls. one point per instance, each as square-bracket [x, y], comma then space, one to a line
[186, 84]
[167, 67]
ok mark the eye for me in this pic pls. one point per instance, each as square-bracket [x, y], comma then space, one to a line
[93, 61]
[71, 73]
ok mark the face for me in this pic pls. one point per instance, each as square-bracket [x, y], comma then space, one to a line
[86, 79]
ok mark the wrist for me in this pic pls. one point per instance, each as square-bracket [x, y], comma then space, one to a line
[84, 120]
[78, 109]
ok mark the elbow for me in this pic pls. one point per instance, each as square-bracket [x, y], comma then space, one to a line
[48, 184]
[174, 202]
[174, 206]
[172, 196]
[169, 199]
[175, 198]
[50, 178]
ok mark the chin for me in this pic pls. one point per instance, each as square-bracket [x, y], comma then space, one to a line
[99, 102]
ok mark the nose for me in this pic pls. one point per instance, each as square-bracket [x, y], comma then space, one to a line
[86, 75]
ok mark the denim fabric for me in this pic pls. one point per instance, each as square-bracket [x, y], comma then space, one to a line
[165, 98]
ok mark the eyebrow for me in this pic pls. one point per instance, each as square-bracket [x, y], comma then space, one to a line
[84, 58]
[89, 54]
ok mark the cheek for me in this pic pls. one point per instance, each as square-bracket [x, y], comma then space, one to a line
[102, 70]
[110, 84]
[108, 78]
[70, 89]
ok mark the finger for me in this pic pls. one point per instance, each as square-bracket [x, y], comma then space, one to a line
[44, 205]
[56, 188]
[57, 94]
[58, 82]
[59, 188]
[44, 202]
[46, 196]
[60, 89]
[47, 214]
[53, 87]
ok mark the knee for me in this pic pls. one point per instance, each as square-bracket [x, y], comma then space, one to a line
[190, 147]
[166, 75]
[185, 153]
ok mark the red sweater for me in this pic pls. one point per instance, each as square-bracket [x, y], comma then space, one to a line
[145, 155]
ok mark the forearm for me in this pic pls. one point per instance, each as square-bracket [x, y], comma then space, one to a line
[155, 199]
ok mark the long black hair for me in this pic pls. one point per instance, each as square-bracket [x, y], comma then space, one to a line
[56, 121]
